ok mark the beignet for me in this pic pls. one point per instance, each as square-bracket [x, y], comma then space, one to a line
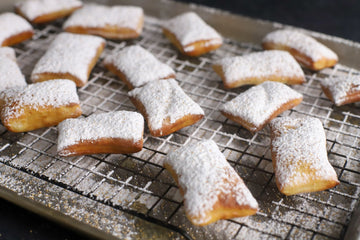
[14, 29]
[10, 73]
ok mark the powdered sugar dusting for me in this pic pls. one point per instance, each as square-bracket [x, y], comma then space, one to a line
[32, 9]
[301, 42]
[299, 141]
[12, 24]
[258, 103]
[204, 174]
[165, 99]
[189, 28]
[94, 15]
[55, 93]
[261, 65]
[340, 87]
[139, 65]
[10, 74]
[69, 53]
[120, 124]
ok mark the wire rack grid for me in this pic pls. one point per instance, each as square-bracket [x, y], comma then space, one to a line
[139, 185]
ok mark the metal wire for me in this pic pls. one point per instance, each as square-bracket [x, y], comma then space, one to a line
[138, 183]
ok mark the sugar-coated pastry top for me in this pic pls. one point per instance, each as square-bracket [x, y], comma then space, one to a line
[54, 93]
[32, 9]
[299, 141]
[301, 42]
[165, 99]
[260, 64]
[258, 103]
[69, 53]
[340, 87]
[203, 173]
[139, 65]
[10, 74]
[12, 24]
[120, 124]
[189, 28]
[94, 15]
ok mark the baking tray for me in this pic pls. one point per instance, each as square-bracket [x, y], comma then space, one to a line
[116, 196]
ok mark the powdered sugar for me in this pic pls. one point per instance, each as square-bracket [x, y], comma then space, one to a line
[120, 124]
[55, 93]
[299, 142]
[12, 24]
[301, 42]
[258, 103]
[69, 53]
[165, 99]
[203, 173]
[340, 87]
[32, 9]
[139, 65]
[189, 28]
[10, 74]
[261, 65]
[94, 15]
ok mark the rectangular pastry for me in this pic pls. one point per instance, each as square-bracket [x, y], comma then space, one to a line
[10, 73]
[39, 105]
[305, 49]
[191, 35]
[113, 132]
[70, 56]
[342, 90]
[299, 156]
[165, 106]
[41, 11]
[259, 67]
[211, 188]
[115, 22]
[14, 29]
[257, 106]
[136, 66]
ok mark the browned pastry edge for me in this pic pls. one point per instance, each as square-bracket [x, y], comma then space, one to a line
[110, 32]
[44, 116]
[351, 97]
[199, 47]
[167, 127]
[112, 68]
[301, 58]
[313, 184]
[45, 76]
[18, 38]
[256, 80]
[251, 127]
[102, 145]
[225, 208]
[49, 16]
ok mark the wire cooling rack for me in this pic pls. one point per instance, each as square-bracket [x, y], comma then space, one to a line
[138, 185]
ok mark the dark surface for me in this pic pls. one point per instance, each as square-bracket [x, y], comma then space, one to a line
[339, 18]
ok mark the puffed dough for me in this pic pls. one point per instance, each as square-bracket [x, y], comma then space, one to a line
[305, 49]
[39, 105]
[258, 67]
[116, 22]
[42, 11]
[211, 188]
[191, 35]
[165, 106]
[256, 107]
[14, 29]
[342, 90]
[113, 132]
[299, 156]
[10, 73]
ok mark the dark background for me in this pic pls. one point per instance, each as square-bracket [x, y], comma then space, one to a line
[339, 18]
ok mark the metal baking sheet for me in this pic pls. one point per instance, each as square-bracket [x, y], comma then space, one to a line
[133, 196]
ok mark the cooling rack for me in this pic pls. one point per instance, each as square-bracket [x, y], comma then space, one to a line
[133, 196]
